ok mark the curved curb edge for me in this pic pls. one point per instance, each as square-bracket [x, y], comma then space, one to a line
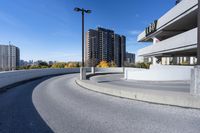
[184, 101]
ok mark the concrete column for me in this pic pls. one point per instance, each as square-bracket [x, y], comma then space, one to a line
[82, 73]
[93, 70]
[125, 73]
[154, 60]
[157, 60]
[123, 69]
[195, 81]
[191, 60]
[181, 60]
[155, 40]
[175, 61]
[168, 61]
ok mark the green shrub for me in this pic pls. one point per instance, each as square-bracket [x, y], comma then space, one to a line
[142, 65]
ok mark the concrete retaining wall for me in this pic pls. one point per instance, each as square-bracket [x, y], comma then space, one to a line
[160, 73]
[11, 77]
[128, 71]
[110, 70]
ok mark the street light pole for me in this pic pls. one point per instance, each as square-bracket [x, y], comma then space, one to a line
[82, 69]
[83, 38]
[198, 34]
[83, 11]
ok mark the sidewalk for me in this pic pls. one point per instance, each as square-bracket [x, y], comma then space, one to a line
[168, 93]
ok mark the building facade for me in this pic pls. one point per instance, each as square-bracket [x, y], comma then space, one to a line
[104, 45]
[173, 36]
[130, 58]
[9, 57]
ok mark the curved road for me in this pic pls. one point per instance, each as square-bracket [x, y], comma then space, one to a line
[117, 79]
[59, 105]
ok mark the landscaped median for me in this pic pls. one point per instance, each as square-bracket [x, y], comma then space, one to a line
[181, 99]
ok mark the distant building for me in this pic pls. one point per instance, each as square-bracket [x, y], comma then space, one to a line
[50, 63]
[92, 48]
[9, 57]
[123, 50]
[23, 63]
[130, 58]
[104, 44]
[117, 49]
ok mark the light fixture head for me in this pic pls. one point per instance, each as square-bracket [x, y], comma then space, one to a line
[88, 11]
[77, 9]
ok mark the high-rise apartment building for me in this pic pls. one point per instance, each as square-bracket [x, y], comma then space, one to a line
[104, 45]
[117, 49]
[92, 56]
[9, 57]
[123, 50]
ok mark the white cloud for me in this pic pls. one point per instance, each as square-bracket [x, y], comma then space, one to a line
[135, 32]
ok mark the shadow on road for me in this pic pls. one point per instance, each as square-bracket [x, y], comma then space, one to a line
[17, 112]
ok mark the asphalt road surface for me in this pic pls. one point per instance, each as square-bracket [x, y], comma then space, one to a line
[117, 79]
[59, 105]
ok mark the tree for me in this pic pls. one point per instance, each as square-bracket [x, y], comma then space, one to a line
[34, 67]
[112, 64]
[103, 64]
[72, 65]
[59, 65]
[43, 64]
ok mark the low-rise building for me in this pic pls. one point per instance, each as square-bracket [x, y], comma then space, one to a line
[9, 57]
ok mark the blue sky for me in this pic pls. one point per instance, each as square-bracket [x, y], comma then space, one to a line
[51, 30]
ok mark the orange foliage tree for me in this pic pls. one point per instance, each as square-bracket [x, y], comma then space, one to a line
[103, 64]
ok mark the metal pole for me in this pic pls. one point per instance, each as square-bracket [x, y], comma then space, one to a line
[83, 38]
[198, 34]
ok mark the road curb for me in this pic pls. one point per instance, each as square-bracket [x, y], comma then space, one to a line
[153, 96]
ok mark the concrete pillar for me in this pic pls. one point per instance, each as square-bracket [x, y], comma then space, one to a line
[181, 60]
[82, 73]
[168, 61]
[125, 73]
[175, 61]
[123, 69]
[93, 70]
[155, 40]
[157, 60]
[195, 81]
[191, 60]
[154, 60]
